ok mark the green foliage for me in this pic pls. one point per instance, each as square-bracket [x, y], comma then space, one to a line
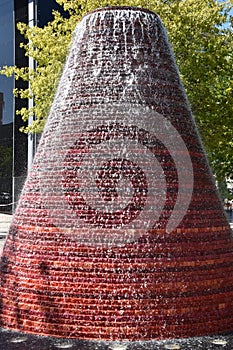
[203, 49]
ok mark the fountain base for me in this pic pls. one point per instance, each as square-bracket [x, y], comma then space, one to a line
[10, 340]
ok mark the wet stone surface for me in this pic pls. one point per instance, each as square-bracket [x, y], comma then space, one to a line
[119, 232]
[10, 340]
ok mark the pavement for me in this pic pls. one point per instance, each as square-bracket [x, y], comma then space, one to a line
[11, 340]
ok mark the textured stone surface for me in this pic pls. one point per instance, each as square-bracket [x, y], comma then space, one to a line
[119, 233]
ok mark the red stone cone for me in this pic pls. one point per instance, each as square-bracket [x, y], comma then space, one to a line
[119, 232]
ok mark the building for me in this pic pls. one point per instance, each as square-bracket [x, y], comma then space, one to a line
[5, 156]
[1, 106]
[32, 12]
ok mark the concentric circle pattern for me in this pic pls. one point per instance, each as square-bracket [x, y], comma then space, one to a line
[107, 182]
[119, 233]
[113, 177]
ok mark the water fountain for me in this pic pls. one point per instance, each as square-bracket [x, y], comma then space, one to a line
[119, 240]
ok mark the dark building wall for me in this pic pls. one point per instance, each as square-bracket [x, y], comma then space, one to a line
[6, 152]
[19, 139]
[1, 107]
[44, 11]
[6, 132]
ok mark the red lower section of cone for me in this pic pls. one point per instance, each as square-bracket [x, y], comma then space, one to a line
[138, 292]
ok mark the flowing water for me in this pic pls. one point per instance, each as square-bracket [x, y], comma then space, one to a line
[119, 234]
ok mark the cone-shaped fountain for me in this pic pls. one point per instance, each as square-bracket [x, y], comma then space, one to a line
[119, 234]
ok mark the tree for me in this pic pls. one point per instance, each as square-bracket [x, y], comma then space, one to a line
[203, 50]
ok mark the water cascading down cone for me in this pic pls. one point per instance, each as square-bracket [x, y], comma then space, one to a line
[119, 233]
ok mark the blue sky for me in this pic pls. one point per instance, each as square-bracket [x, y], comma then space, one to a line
[231, 12]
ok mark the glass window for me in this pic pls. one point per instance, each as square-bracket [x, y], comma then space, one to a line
[6, 57]
[6, 104]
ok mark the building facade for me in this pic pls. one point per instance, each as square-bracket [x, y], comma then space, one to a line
[6, 104]
[16, 149]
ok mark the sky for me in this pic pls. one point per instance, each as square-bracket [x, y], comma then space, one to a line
[230, 13]
[6, 56]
